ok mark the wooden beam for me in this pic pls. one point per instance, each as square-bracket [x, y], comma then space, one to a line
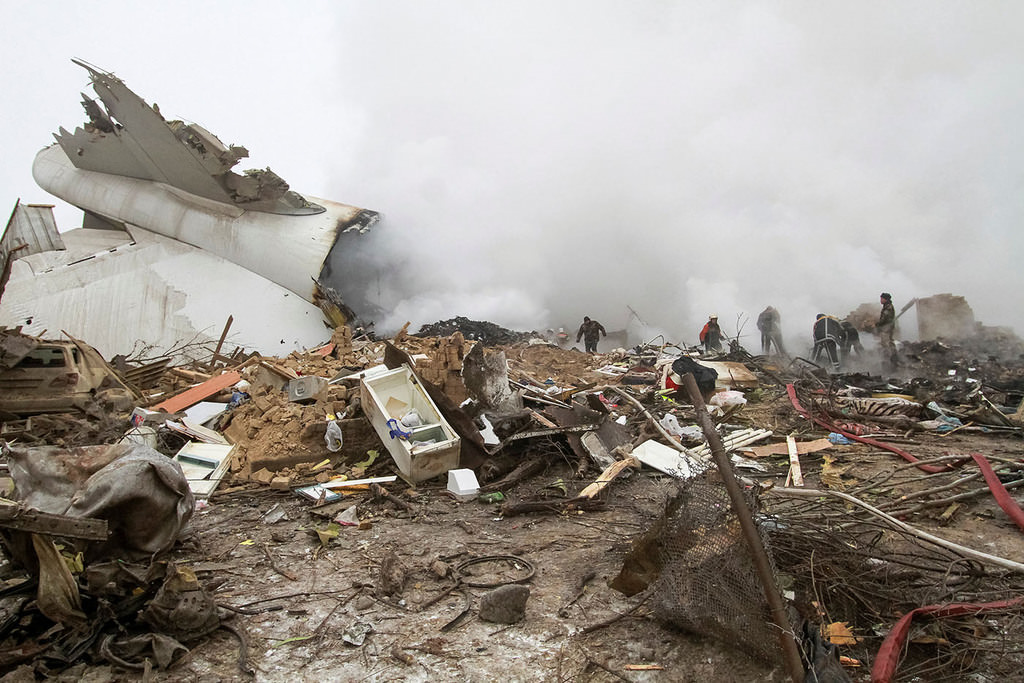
[223, 335]
[14, 516]
[192, 396]
[795, 475]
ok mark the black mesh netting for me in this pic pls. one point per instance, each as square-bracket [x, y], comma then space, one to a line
[708, 583]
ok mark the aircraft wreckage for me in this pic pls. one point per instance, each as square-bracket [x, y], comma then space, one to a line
[173, 241]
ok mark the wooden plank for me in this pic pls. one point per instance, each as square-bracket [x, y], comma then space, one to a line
[731, 374]
[794, 463]
[279, 369]
[543, 420]
[803, 448]
[192, 396]
[609, 474]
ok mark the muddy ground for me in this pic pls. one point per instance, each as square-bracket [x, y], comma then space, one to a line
[379, 601]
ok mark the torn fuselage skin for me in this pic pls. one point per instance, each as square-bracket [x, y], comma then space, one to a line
[130, 166]
[126, 136]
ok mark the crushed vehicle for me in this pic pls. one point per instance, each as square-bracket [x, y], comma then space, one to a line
[50, 376]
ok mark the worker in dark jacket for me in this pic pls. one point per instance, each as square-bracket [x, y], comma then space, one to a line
[850, 342]
[711, 335]
[770, 325]
[886, 328]
[590, 331]
[828, 335]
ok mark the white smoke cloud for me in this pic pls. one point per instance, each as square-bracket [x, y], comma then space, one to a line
[537, 162]
[687, 159]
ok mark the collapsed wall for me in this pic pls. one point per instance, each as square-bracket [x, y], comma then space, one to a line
[944, 316]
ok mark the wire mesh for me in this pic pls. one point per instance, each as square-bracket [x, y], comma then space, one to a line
[708, 584]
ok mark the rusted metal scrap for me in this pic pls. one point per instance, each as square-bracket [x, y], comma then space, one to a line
[16, 516]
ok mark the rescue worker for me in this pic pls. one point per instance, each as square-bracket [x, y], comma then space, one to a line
[850, 342]
[589, 331]
[770, 324]
[886, 328]
[711, 335]
[828, 335]
[562, 338]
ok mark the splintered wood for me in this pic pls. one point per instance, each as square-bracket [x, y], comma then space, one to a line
[609, 474]
[795, 475]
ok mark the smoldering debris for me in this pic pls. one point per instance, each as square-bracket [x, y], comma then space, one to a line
[487, 333]
[598, 442]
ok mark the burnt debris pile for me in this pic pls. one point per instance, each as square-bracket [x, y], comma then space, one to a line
[149, 500]
[486, 333]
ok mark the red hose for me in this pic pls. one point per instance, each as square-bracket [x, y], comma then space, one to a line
[930, 469]
[888, 658]
[999, 491]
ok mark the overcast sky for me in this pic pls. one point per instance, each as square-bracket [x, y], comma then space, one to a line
[540, 161]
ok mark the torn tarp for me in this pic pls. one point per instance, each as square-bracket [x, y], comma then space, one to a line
[141, 493]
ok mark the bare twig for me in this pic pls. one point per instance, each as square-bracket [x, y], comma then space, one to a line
[672, 441]
[939, 502]
[892, 521]
[273, 565]
[600, 665]
[612, 620]
[580, 590]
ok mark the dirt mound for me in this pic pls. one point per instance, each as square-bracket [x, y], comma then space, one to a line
[563, 366]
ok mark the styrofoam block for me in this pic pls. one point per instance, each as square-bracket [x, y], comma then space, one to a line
[463, 484]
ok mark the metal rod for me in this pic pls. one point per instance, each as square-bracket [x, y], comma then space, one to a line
[791, 655]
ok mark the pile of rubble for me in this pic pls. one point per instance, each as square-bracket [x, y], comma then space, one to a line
[866, 493]
[482, 331]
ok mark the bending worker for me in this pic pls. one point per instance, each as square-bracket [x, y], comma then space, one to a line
[850, 343]
[828, 335]
[770, 324]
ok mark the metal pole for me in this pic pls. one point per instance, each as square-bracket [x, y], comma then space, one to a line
[791, 654]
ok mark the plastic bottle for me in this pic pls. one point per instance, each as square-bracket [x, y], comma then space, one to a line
[333, 436]
[495, 497]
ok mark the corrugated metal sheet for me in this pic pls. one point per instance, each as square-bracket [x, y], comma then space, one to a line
[32, 224]
[30, 230]
[155, 292]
